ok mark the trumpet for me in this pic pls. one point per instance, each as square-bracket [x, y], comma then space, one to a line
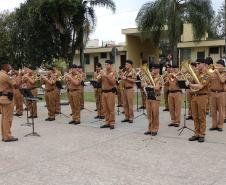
[64, 76]
[99, 76]
[213, 67]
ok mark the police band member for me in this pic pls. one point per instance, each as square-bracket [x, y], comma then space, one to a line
[29, 82]
[98, 92]
[107, 79]
[50, 91]
[6, 101]
[120, 87]
[18, 97]
[128, 77]
[152, 105]
[174, 97]
[168, 70]
[199, 100]
[57, 74]
[73, 81]
[83, 78]
[217, 97]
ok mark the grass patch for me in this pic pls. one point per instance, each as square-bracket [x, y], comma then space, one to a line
[89, 97]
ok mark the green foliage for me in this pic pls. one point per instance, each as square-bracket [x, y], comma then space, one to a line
[154, 15]
[40, 31]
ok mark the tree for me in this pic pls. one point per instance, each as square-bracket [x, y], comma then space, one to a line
[75, 20]
[153, 16]
[217, 28]
[87, 20]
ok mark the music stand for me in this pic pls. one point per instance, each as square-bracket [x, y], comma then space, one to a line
[182, 85]
[28, 96]
[138, 85]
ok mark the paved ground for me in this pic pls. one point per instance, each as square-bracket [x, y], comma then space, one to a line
[86, 155]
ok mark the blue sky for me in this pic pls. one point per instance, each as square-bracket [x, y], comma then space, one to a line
[109, 25]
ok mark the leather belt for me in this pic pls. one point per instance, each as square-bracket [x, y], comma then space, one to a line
[128, 87]
[217, 91]
[72, 90]
[201, 94]
[4, 94]
[50, 90]
[175, 91]
[107, 91]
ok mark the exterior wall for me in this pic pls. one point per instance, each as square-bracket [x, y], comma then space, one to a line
[188, 35]
[205, 49]
[89, 68]
[136, 46]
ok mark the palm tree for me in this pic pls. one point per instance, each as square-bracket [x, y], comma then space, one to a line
[75, 20]
[154, 16]
[87, 21]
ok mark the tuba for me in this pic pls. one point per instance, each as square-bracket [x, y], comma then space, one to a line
[145, 74]
[186, 65]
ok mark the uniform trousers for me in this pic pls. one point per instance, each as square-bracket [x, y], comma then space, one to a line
[100, 111]
[6, 122]
[57, 93]
[217, 109]
[50, 102]
[128, 103]
[152, 107]
[108, 100]
[174, 100]
[198, 106]
[74, 101]
[166, 93]
[18, 101]
[32, 105]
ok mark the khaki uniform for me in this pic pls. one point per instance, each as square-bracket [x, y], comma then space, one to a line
[224, 97]
[50, 92]
[188, 91]
[18, 97]
[143, 98]
[82, 100]
[6, 86]
[108, 97]
[98, 98]
[174, 100]
[57, 92]
[119, 90]
[28, 81]
[128, 94]
[199, 104]
[152, 107]
[217, 99]
[74, 95]
[166, 90]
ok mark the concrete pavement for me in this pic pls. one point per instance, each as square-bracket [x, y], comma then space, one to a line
[87, 155]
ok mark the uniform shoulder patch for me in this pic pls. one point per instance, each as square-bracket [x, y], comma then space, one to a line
[205, 77]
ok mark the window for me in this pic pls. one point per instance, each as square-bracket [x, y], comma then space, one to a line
[213, 50]
[87, 59]
[103, 55]
[185, 54]
[200, 54]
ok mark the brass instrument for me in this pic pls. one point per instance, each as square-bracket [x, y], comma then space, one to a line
[145, 74]
[213, 67]
[64, 76]
[99, 76]
[186, 65]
